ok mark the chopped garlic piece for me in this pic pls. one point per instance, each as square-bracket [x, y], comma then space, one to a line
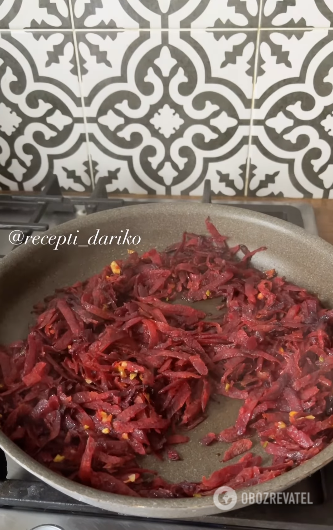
[281, 425]
[59, 458]
[131, 478]
[106, 418]
[115, 268]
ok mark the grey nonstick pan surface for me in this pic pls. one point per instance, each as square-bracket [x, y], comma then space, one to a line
[31, 272]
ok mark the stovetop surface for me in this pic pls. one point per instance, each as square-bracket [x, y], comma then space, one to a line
[26, 503]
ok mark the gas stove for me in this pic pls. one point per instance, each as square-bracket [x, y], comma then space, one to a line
[27, 503]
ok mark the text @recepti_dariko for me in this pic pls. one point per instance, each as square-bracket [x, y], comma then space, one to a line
[16, 237]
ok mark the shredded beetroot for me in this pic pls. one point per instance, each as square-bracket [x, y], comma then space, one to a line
[237, 448]
[209, 439]
[116, 365]
[173, 455]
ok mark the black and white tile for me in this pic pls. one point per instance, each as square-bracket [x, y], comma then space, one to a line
[222, 14]
[36, 14]
[172, 108]
[41, 118]
[167, 14]
[158, 95]
[292, 134]
[107, 14]
[297, 14]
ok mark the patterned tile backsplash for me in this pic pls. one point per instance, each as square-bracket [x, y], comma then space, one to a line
[158, 95]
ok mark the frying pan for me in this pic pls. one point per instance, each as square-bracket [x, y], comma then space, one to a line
[31, 272]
